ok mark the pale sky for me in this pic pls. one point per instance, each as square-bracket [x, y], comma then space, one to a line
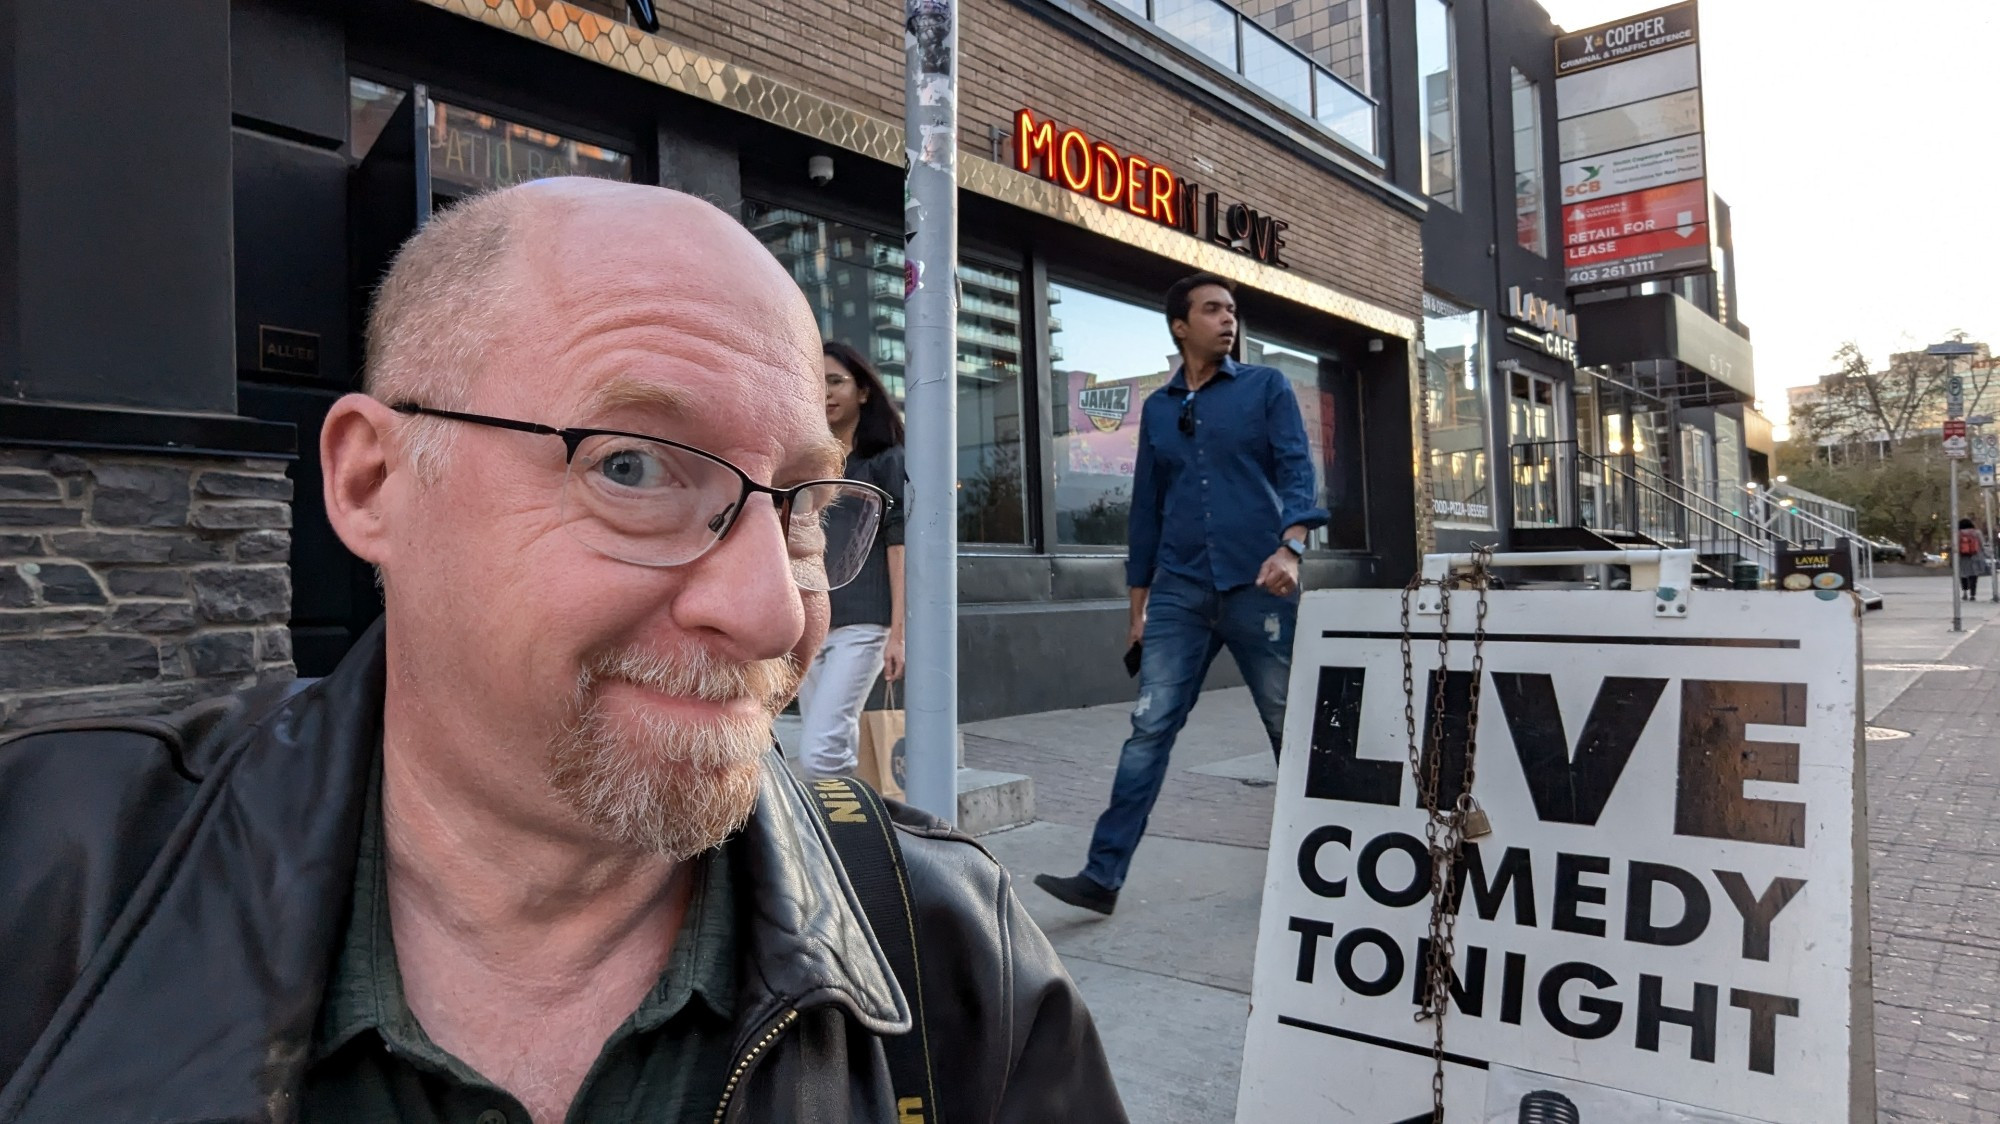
[1858, 146]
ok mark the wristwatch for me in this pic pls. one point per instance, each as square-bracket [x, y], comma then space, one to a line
[1296, 546]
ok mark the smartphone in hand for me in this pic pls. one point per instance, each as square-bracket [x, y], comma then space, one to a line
[1132, 659]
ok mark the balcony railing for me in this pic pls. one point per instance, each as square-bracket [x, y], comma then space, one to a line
[1279, 70]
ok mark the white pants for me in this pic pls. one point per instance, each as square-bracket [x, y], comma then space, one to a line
[835, 688]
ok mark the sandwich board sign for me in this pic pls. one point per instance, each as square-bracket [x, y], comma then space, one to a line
[1667, 921]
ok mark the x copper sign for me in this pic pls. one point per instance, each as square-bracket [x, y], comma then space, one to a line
[1145, 187]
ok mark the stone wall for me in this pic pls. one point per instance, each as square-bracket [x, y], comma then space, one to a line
[137, 584]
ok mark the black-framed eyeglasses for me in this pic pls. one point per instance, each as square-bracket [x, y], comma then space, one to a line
[1187, 415]
[654, 502]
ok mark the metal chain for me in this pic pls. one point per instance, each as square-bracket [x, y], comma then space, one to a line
[1444, 828]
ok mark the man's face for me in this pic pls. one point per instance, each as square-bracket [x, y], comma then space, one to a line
[640, 698]
[1209, 332]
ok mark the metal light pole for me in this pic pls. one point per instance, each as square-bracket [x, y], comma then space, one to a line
[930, 334]
[1955, 410]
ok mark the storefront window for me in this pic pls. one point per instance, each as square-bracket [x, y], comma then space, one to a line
[473, 152]
[1455, 395]
[853, 279]
[1438, 81]
[1336, 471]
[1729, 462]
[1529, 227]
[1105, 357]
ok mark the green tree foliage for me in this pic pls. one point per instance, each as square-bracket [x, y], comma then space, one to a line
[1901, 497]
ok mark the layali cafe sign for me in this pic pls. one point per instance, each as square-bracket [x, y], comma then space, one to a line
[1144, 187]
[1542, 324]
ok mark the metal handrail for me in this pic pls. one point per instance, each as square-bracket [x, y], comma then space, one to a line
[1861, 548]
[1764, 553]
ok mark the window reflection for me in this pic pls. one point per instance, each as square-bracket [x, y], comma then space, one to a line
[473, 152]
[1105, 356]
[1529, 225]
[853, 280]
[1454, 389]
[1438, 80]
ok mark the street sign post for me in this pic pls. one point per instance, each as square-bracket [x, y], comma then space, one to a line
[930, 303]
[1668, 919]
[1954, 396]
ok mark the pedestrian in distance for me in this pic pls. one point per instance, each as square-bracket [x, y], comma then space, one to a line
[1223, 501]
[528, 853]
[864, 637]
[1972, 560]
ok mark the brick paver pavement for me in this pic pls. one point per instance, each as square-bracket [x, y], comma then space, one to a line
[1934, 828]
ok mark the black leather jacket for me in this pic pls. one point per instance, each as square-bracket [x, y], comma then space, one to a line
[172, 894]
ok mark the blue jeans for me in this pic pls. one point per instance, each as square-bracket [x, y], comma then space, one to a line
[1186, 625]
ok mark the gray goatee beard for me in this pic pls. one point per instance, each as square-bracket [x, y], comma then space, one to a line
[670, 787]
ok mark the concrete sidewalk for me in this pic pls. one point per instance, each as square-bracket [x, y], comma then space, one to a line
[1168, 976]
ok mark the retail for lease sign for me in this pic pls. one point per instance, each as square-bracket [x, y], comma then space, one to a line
[1667, 225]
[1629, 129]
[1667, 922]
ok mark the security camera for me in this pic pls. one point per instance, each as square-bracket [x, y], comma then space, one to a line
[819, 169]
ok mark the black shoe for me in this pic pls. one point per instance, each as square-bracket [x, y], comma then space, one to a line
[1080, 892]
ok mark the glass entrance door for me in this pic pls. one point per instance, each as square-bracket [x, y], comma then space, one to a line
[1541, 458]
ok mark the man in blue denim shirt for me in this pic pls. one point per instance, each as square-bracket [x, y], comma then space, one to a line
[1222, 501]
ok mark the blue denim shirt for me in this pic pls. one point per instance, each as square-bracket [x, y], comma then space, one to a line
[1210, 507]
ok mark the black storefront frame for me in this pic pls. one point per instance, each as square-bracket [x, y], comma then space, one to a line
[1040, 268]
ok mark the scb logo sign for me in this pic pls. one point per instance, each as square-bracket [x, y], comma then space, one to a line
[1589, 185]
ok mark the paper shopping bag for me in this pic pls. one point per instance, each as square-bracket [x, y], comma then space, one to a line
[880, 757]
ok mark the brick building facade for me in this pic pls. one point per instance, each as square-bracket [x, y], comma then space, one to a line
[335, 126]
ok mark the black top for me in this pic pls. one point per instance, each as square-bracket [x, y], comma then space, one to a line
[865, 600]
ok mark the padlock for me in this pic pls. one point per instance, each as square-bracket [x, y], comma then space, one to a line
[1476, 824]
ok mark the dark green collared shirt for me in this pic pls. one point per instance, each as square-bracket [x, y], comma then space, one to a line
[373, 1064]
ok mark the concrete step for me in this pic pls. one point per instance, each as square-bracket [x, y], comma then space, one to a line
[987, 801]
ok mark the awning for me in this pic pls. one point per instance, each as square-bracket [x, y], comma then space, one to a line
[1682, 351]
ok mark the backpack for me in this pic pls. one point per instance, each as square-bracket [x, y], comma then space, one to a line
[857, 821]
[1968, 541]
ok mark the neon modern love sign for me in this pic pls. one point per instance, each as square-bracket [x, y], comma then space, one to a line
[1146, 188]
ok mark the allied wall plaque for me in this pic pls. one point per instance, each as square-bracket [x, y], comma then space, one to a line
[285, 351]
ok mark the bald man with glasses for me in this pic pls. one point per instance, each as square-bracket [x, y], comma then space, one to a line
[528, 855]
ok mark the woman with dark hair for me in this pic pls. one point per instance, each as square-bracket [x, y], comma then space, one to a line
[865, 635]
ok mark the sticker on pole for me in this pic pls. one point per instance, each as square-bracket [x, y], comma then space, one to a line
[1659, 910]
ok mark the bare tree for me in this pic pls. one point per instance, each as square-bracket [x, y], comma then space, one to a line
[1858, 406]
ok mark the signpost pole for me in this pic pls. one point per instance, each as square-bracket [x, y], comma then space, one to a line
[930, 304]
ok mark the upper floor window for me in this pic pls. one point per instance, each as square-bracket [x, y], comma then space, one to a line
[1308, 55]
[1437, 83]
[1529, 210]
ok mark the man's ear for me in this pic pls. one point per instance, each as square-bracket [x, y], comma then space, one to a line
[354, 454]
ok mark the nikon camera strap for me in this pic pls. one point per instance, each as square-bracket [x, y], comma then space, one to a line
[858, 823]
